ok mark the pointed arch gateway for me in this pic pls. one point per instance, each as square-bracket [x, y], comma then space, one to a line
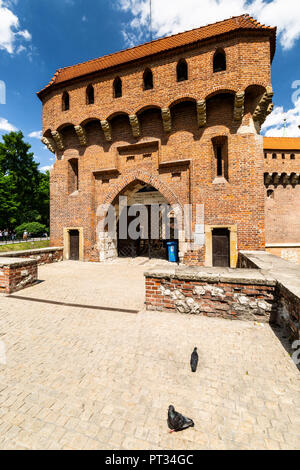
[146, 211]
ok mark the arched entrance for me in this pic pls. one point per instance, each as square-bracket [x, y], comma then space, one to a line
[145, 222]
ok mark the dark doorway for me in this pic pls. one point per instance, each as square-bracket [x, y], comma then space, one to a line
[74, 245]
[221, 247]
[149, 246]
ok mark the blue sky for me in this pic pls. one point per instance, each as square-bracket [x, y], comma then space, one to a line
[39, 36]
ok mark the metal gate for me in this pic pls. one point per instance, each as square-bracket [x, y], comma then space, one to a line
[221, 247]
[74, 245]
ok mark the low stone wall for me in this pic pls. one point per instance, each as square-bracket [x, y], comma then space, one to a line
[287, 276]
[41, 255]
[217, 292]
[17, 274]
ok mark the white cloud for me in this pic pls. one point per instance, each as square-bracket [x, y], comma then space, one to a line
[10, 33]
[6, 126]
[35, 135]
[43, 169]
[173, 16]
[274, 125]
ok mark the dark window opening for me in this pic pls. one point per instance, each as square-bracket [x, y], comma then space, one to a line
[90, 95]
[292, 156]
[283, 156]
[266, 155]
[219, 161]
[117, 87]
[219, 61]
[182, 71]
[148, 80]
[274, 156]
[270, 193]
[73, 175]
[65, 101]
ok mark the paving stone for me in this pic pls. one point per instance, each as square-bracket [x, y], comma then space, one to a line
[87, 378]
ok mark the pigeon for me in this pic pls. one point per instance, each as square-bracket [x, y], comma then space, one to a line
[194, 360]
[178, 422]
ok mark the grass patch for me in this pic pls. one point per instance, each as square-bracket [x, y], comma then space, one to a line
[24, 246]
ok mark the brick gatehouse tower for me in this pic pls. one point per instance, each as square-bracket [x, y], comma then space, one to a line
[175, 121]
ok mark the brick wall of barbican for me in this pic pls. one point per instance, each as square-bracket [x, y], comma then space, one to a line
[238, 201]
[18, 275]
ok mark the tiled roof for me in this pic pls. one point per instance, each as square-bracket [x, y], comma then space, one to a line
[238, 23]
[282, 143]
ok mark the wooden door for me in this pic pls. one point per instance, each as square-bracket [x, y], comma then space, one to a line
[74, 245]
[221, 247]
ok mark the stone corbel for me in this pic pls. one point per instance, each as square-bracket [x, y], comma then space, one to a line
[135, 125]
[264, 107]
[294, 179]
[276, 179]
[167, 120]
[239, 105]
[58, 139]
[106, 127]
[268, 179]
[201, 113]
[49, 144]
[81, 135]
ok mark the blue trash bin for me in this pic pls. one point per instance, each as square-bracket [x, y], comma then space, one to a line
[173, 251]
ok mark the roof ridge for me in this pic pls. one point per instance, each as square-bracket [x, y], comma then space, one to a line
[156, 40]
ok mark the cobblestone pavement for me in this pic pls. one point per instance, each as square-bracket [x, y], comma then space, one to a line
[85, 378]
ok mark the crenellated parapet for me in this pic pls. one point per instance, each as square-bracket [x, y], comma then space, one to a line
[81, 135]
[283, 179]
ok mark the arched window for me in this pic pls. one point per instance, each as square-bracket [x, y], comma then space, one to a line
[148, 79]
[117, 87]
[292, 156]
[274, 156]
[65, 101]
[182, 70]
[283, 156]
[90, 95]
[219, 61]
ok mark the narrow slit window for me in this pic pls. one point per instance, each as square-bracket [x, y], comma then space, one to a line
[219, 161]
[65, 101]
[182, 71]
[117, 87]
[219, 61]
[90, 95]
[148, 79]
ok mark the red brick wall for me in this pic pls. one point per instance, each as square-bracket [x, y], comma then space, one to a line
[41, 256]
[239, 201]
[219, 299]
[16, 277]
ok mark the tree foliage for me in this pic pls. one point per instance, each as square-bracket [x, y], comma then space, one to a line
[24, 190]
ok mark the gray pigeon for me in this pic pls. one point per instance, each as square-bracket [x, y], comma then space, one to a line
[194, 360]
[178, 422]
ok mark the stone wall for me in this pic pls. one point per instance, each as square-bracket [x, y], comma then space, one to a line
[216, 292]
[287, 276]
[17, 274]
[41, 255]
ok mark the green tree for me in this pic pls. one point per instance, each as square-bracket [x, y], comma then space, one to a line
[24, 190]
